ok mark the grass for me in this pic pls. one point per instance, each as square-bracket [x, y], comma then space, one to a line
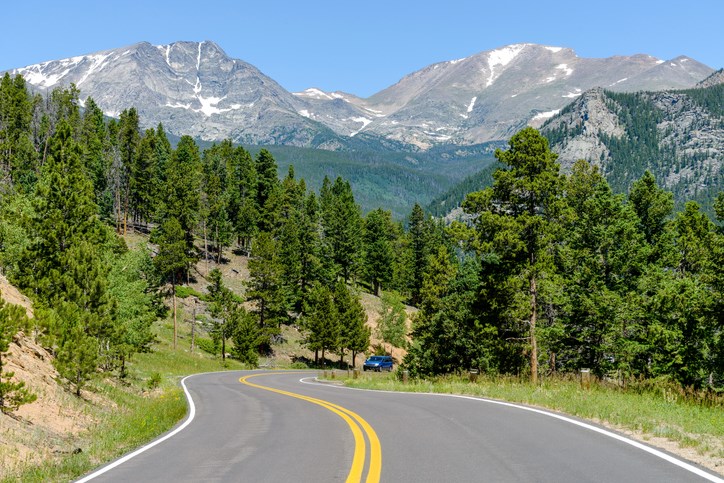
[133, 411]
[647, 414]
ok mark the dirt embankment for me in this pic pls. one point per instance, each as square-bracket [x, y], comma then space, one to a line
[44, 428]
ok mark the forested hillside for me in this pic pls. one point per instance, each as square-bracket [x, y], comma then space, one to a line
[677, 135]
[553, 273]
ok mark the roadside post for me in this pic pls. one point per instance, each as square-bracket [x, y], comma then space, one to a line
[586, 378]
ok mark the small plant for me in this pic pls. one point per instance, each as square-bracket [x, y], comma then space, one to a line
[154, 381]
[183, 292]
[298, 365]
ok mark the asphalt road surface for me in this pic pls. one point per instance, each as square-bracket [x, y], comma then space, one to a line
[283, 426]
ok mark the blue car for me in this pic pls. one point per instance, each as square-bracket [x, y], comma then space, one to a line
[378, 363]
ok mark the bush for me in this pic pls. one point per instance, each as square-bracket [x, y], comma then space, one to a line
[154, 381]
[208, 345]
[298, 365]
[183, 292]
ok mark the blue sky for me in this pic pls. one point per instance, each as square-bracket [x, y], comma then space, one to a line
[364, 46]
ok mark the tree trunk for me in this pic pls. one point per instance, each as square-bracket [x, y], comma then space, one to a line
[533, 341]
[354, 357]
[218, 245]
[376, 285]
[223, 346]
[173, 288]
[193, 329]
[206, 250]
[316, 357]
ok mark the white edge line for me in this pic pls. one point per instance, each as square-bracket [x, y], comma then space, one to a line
[623, 439]
[189, 418]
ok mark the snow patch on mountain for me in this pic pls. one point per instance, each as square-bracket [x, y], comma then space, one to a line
[501, 57]
[554, 49]
[364, 122]
[565, 68]
[545, 115]
[573, 94]
[472, 104]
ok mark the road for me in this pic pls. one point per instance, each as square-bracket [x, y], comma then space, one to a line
[283, 426]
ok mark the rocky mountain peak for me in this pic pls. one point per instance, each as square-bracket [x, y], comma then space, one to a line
[196, 88]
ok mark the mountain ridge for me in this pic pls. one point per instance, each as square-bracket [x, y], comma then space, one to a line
[196, 88]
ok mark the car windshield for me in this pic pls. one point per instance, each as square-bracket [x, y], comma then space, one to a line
[377, 358]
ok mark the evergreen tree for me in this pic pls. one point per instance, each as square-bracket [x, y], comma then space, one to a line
[320, 322]
[172, 259]
[378, 239]
[225, 309]
[604, 258]
[129, 140]
[392, 325]
[518, 225]
[266, 289]
[247, 337]
[419, 246]
[267, 184]
[77, 354]
[342, 227]
[182, 192]
[354, 334]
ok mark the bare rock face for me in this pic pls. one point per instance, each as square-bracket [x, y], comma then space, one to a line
[715, 79]
[685, 153]
[195, 88]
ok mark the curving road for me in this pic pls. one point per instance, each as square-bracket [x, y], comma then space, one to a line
[282, 426]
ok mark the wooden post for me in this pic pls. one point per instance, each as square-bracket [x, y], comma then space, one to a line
[586, 378]
[193, 328]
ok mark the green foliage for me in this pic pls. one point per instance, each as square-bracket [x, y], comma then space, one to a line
[182, 189]
[453, 197]
[321, 320]
[341, 226]
[77, 354]
[378, 255]
[266, 288]
[518, 221]
[392, 325]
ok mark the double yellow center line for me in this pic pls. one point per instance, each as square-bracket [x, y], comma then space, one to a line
[359, 428]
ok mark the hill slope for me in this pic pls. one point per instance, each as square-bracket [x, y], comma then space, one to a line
[677, 135]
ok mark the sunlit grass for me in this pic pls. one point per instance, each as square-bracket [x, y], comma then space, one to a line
[647, 413]
[136, 411]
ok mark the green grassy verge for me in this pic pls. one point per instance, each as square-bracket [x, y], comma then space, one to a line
[132, 412]
[648, 414]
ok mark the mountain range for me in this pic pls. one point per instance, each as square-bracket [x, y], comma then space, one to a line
[195, 88]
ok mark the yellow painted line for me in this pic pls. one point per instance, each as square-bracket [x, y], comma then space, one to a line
[350, 417]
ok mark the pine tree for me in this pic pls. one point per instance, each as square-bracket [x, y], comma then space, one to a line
[419, 244]
[392, 325]
[342, 227]
[354, 334]
[77, 354]
[225, 309]
[247, 337]
[320, 322]
[518, 224]
[378, 242]
[129, 140]
[265, 287]
[267, 184]
[64, 214]
[182, 192]
[172, 259]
